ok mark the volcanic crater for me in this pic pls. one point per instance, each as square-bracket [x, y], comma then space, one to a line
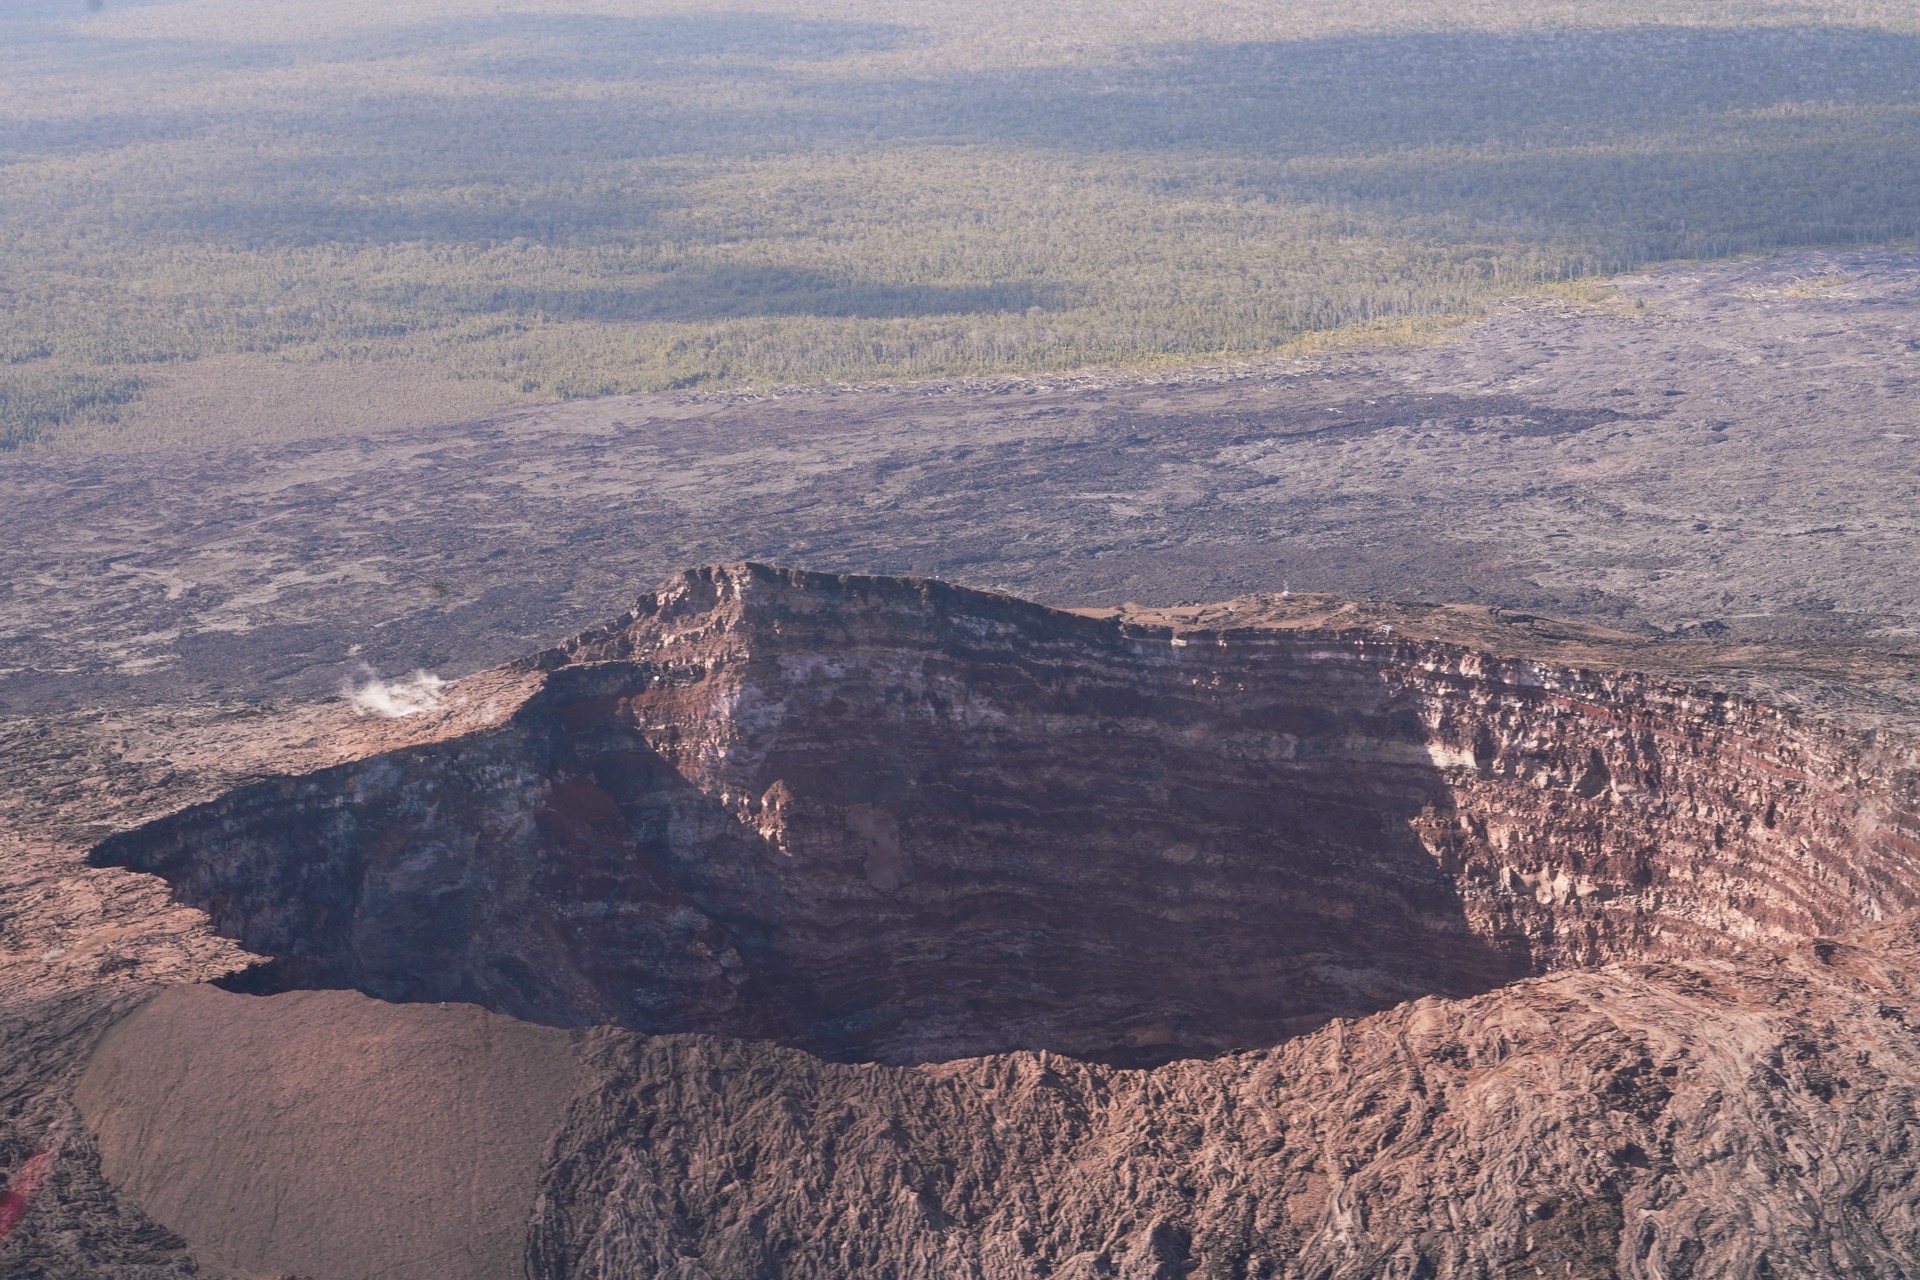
[895, 821]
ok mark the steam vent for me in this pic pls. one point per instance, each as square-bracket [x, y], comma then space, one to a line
[802, 926]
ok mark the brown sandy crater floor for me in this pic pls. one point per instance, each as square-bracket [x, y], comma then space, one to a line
[270, 1131]
[829, 927]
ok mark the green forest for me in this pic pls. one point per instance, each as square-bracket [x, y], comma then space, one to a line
[563, 199]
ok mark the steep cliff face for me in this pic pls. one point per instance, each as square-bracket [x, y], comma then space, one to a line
[880, 819]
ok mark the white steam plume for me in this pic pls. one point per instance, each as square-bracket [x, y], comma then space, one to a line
[392, 699]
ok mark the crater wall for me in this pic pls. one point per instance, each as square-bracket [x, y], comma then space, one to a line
[885, 819]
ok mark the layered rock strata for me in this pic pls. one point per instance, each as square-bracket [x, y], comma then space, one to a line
[894, 820]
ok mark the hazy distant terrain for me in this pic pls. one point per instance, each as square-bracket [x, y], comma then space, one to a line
[1724, 451]
[221, 219]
